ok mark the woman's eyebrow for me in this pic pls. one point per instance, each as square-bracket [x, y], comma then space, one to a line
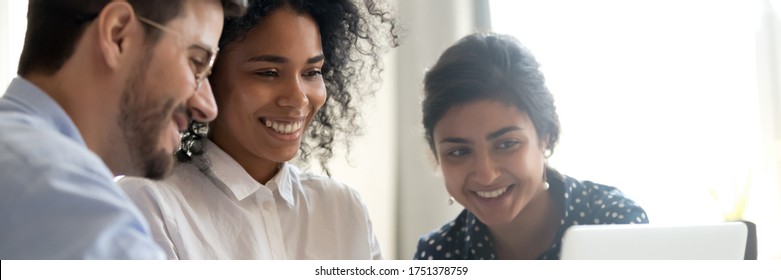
[502, 131]
[268, 58]
[315, 59]
[456, 140]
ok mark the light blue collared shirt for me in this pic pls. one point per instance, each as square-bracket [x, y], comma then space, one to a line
[58, 200]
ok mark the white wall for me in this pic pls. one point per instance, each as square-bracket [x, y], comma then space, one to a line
[13, 19]
[370, 166]
[765, 200]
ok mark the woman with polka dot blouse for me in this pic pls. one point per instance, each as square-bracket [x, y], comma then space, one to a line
[491, 123]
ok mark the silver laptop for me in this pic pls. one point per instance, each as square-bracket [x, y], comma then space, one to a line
[721, 241]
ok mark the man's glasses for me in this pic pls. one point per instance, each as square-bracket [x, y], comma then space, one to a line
[201, 58]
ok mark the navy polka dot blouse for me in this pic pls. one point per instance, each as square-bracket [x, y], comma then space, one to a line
[466, 238]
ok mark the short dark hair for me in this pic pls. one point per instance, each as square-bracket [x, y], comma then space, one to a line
[353, 37]
[489, 66]
[54, 27]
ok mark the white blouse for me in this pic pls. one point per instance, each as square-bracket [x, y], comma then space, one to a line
[223, 213]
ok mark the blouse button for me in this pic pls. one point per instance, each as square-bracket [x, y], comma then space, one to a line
[267, 205]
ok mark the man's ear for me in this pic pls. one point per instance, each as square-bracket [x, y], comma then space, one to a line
[116, 28]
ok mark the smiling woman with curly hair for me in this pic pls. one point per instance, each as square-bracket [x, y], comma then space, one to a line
[288, 79]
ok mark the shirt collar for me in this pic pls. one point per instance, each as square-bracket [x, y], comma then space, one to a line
[242, 185]
[566, 191]
[285, 181]
[478, 244]
[26, 97]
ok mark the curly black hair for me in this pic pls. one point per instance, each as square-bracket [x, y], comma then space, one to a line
[353, 38]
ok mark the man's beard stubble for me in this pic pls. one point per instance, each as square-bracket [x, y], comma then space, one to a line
[144, 116]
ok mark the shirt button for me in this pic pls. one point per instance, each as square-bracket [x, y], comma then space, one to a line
[267, 205]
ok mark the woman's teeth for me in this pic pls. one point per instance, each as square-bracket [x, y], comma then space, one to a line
[493, 194]
[284, 128]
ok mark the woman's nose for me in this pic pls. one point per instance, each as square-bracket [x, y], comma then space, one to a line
[294, 94]
[485, 170]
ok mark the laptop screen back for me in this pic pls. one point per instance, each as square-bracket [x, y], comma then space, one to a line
[723, 241]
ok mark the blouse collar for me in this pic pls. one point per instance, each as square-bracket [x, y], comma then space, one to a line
[242, 185]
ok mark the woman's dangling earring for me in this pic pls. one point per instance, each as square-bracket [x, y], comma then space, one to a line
[450, 200]
[546, 154]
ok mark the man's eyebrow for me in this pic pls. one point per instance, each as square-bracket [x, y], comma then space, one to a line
[203, 48]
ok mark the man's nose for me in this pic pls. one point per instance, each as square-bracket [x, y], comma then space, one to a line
[202, 106]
